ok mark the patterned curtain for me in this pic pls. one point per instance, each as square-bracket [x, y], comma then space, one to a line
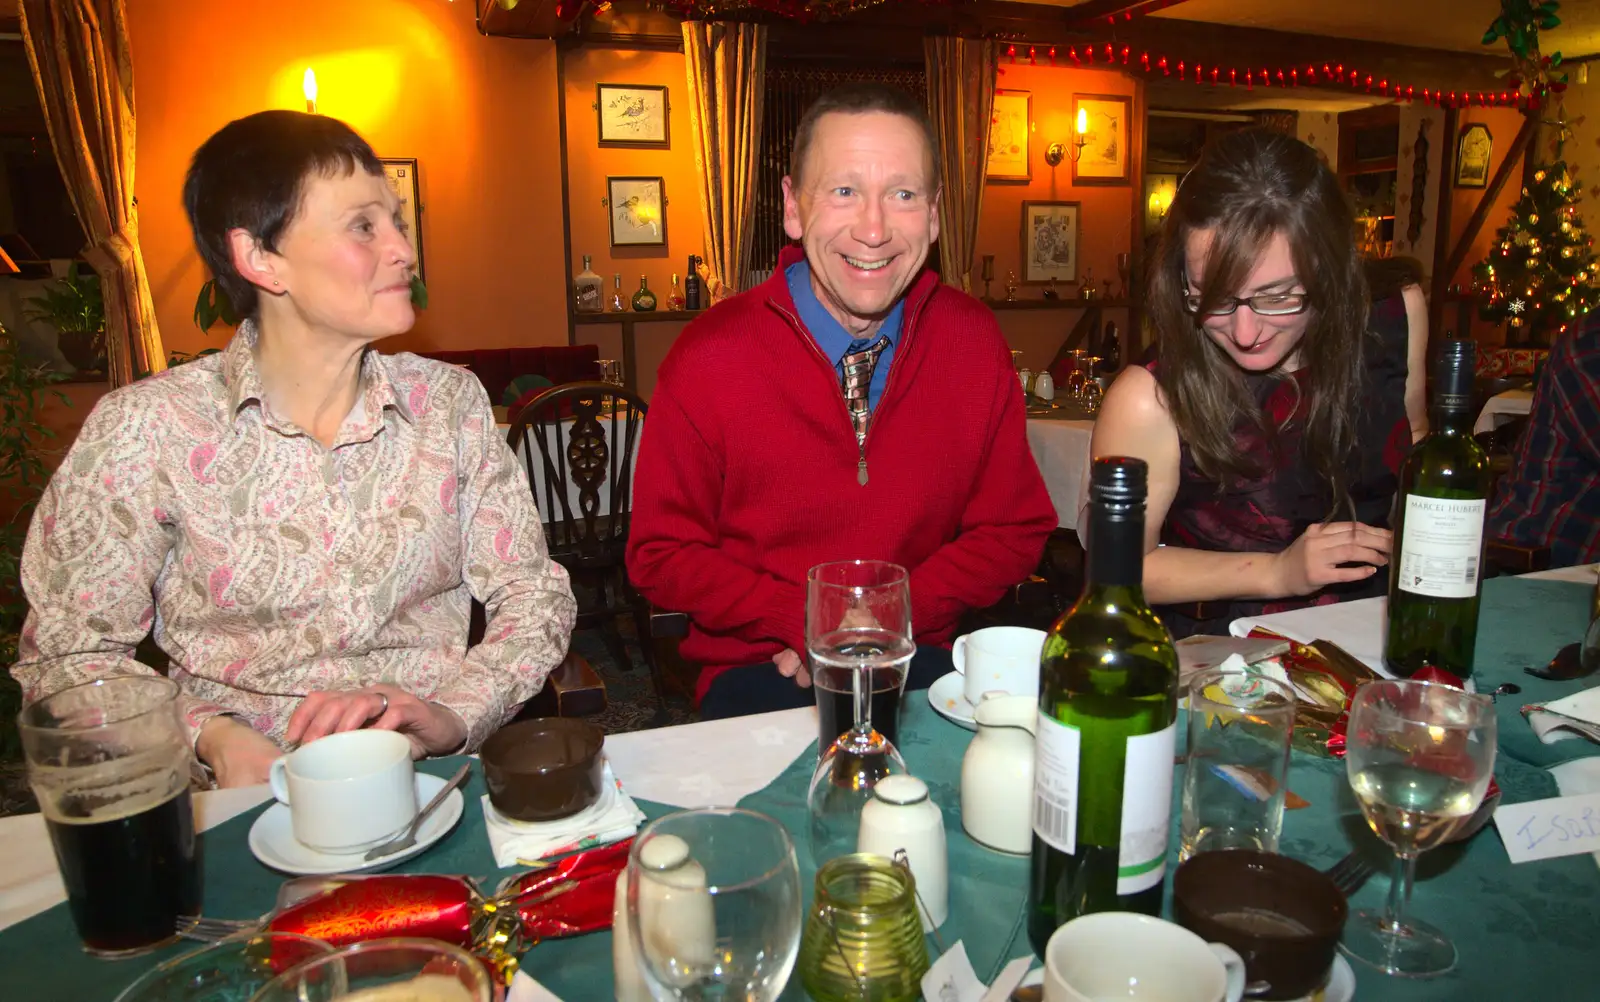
[960, 100]
[726, 66]
[83, 69]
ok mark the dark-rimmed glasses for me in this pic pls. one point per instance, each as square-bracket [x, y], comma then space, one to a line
[1270, 304]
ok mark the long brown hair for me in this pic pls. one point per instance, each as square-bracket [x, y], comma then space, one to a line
[1249, 186]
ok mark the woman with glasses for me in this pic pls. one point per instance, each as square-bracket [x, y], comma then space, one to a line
[1273, 421]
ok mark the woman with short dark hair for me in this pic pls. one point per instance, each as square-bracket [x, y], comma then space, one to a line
[300, 521]
[1272, 419]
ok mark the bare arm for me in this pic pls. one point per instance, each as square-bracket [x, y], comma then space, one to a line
[1416, 361]
[1133, 421]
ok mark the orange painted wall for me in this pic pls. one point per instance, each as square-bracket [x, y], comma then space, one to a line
[1503, 124]
[417, 80]
[588, 165]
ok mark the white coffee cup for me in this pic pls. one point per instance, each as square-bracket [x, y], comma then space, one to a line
[999, 659]
[1125, 955]
[347, 792]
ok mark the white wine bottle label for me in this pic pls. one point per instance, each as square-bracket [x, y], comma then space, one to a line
[1146, 810]
[1055, 783]
[1440, 546]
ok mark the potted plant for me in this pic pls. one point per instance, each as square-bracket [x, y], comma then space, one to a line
[74, 307]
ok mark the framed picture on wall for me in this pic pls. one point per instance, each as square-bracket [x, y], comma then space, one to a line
[632, 115]
[1106, 121]
[638, 211]
[1049, 242]
[1472, 156]
[1008, 136]
[402, 176]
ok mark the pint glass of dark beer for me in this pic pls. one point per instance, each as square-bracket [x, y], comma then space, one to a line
[109, 762]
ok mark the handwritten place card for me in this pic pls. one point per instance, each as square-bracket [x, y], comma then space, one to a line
[1546, 829]
[952, 979]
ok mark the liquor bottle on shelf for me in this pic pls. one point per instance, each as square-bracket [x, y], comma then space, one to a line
[1436, 571]
[693, 293]
[1108, 702]
[675, 297]
[617, 305]
[644, 301]
[588, 290]
[1110, 349]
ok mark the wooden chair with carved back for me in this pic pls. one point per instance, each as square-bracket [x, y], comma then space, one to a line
[579, 441]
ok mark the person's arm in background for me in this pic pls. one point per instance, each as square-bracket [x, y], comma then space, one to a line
[1134, 421]
[674, 556]
[1004, 527]
[1416, 360]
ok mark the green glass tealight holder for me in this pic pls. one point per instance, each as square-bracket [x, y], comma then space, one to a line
[863, 940]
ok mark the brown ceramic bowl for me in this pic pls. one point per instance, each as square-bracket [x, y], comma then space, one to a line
[544, 769]
[1282, 916]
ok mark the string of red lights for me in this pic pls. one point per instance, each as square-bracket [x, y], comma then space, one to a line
[1328, 75]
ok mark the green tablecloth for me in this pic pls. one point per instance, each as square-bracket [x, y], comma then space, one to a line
[1523, 623]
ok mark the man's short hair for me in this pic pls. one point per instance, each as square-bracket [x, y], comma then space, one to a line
[860, 99]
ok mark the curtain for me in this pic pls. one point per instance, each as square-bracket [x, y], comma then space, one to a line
[726, 66]
[83, 69]
[961, 74]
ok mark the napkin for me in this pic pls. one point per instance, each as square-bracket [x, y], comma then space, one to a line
[1582, 707]
[613, 818]
[525, 989]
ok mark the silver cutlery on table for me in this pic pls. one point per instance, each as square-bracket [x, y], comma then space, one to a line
[1351, 872]
[408, 838]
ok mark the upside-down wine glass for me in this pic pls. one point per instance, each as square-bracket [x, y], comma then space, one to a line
[1420, 756]
[858, 640]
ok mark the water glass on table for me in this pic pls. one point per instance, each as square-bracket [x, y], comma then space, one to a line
[1420, 756]
[109, 762]
[1235, 782]
[386, 970]
[858, 640]
[230, 970]
[713, 906]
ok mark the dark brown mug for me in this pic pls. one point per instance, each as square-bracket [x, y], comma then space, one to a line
[1282, 916]
[543, 769]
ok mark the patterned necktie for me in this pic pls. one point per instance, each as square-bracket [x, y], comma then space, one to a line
[857, 367]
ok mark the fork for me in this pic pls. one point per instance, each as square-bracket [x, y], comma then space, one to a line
[1350, 873]
[211, 930]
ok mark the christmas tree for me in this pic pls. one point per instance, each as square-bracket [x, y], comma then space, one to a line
[1540, 275]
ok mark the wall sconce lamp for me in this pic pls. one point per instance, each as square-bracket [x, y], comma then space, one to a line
[1054, 155]
[308, 86]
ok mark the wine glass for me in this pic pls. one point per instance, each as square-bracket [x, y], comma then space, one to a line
[714, 905]
[1420, 756]
[407, 968]
[858, 639]
[230, 970]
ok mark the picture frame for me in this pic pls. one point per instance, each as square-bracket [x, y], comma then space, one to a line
[1010, 128]
[1474, 152]
[632, 116]
[637, 207]
[1105, 158]
[1049, 242]
[401, 173]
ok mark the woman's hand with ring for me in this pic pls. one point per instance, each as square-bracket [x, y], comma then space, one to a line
[431, 728]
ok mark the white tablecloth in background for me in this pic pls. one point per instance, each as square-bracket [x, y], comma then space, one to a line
[534, 464]
[1061, 448]
[693, 765]
[1502, 407]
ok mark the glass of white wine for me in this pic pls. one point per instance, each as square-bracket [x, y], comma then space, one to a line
[1420, 756]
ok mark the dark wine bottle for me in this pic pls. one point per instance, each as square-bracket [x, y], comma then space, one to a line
[1108, 702]
[692, 285]
[1436, 567]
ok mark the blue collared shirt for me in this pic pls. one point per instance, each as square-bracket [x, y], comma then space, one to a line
[833, 339]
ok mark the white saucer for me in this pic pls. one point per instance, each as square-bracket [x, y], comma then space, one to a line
[1341, 983]
[949, 700]
[273, 842]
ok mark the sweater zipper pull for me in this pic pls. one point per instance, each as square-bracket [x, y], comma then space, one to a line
[861, 463]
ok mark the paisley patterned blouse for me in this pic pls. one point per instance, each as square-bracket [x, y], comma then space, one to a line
[269, 566]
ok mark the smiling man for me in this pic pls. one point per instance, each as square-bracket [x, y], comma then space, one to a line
[850, 407]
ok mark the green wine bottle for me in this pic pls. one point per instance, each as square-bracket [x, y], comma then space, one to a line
[1108, 702]
[1435, 568]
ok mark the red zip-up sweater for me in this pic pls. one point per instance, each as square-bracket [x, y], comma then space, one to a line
[749, 474]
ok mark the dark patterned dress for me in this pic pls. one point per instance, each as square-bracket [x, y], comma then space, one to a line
[1268, 513]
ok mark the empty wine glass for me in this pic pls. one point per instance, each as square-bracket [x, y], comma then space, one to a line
[400, 968]
[714, 905]
[858, 639]
[1420, 756]
[1089, 393]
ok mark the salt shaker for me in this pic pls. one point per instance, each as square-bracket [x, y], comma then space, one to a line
[1044, 385]
[1025, 376]
[675, 915]
[902, 817]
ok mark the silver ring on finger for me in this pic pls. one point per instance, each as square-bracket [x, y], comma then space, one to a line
[385, 707]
